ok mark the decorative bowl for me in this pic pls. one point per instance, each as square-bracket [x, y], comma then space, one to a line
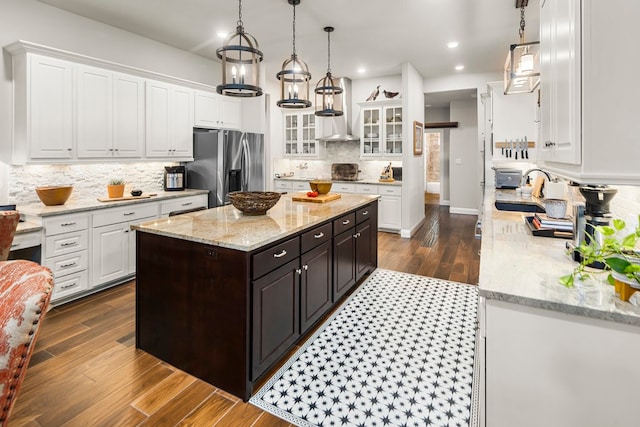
[555, 208]
[321, 186]
[254, 203]
[54, 195]
[136, 193]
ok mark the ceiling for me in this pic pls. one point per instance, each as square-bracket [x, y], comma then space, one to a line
[378, 35]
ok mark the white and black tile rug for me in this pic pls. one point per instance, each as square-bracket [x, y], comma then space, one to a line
[398, 352]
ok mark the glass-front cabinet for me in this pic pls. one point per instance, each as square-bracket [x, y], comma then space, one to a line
[300, 134]
[380, 129]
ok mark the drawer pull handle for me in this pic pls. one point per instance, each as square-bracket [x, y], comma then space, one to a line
[65, 244]
[346, 221]
[70, 285]
[319, 235]
[67, 224]
[280, 255]
[365, 213]
[128, 213]
[187, 203]
[70, 264]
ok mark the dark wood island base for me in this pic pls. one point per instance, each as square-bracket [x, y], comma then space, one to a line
[226, 315]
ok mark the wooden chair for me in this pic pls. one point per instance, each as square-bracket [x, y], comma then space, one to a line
[8, 224]
[25, 290]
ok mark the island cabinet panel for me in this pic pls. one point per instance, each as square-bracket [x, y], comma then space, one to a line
[192, 309]
[315, 286]
[318, 235]
[276, 315]
[272, 258]
[363, 236]
[344, 265]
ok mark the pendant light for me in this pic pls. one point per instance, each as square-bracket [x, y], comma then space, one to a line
[522, 66]
[328, 92]
[241, 57]
[294, 76]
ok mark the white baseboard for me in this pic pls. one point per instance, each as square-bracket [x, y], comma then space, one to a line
[463, 211]
[406, 234]
[445, 202]
[433, 187]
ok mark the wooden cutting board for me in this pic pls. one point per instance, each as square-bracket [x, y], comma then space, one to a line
[537, 187]
[321, 198]
[115, 199]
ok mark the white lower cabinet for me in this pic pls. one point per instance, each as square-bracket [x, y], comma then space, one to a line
[65, 252]
[183, 204]
[113, 241]
[390, 207]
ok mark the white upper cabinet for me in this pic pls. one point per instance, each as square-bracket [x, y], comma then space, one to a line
[110, 114]
[43, 109]
[217, 111]
[380, 129]
[169, 121]
[300, 134]
[589, 112]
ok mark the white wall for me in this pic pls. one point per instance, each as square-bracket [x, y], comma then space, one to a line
[463, 164]
[413, 171]
[37, 22]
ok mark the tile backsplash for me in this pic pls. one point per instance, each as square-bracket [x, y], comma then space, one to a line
[88, 180]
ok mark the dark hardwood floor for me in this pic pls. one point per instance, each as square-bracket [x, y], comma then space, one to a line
[86, 371]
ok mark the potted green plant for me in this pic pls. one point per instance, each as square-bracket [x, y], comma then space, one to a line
[115, 188]
[617, 252]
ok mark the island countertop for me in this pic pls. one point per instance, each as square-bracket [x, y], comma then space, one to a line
[227, 227]
[520, 268]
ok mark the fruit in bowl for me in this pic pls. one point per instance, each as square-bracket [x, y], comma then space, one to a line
[321, 186]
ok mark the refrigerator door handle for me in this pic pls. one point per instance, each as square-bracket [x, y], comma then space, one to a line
[246, 160]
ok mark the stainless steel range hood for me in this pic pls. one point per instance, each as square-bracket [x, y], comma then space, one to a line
[340, 129]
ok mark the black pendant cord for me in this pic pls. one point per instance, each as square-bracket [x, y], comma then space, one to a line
[294, 30]
[329, 52]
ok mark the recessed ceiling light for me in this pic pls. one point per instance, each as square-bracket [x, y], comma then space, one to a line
[362, 70]
[459, 67]
[222, 34]
[453, 44]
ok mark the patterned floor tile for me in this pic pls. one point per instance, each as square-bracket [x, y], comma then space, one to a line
[399, 352]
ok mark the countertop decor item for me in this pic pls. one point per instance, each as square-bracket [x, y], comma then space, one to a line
[254, 202]
[54, 195]
[555, 208]
[115, 188]
[390, 95]
[321, 186]
[136, 193]
[294, 76]
[240, 56]
[320, 198]
[374, 94]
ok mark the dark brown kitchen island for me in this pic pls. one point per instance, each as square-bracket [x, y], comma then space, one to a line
[225, 296]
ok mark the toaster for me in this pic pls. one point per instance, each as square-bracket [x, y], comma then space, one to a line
[508, 178]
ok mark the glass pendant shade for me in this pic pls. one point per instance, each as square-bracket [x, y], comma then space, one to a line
[328, 92]
[241, 57]
[522, 68]
[294, 76]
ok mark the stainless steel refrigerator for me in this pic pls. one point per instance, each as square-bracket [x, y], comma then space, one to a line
[226, 161]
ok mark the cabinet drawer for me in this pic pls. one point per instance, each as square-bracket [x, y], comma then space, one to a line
[313, 238]
[272, 258]
[68, 263]
[26, 240]
[124, 213]
[301, 186]
[390, 190]
[341, 187]
[366, 189]
[65, 223]
[66, 243]
[363, 214]
[343, 223]
[182, 203]
[69, 285]
[283, 185]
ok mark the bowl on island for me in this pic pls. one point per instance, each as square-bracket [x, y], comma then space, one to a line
[254, 203]
[54, 195]
[320, 185]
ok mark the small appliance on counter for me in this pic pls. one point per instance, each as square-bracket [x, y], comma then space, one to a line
[397, 173]
[508, 178]
[174, 178]
[344, 171]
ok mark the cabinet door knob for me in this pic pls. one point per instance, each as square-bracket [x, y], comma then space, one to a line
[280, 255]
[319, 235]
[299, 271]
[305, 267]
[549, 144]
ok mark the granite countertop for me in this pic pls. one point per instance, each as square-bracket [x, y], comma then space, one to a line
[520, 268]
[81, 205]
[227, 227]
[360, 181]
[28, 227]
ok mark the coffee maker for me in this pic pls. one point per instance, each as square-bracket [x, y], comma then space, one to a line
[594, 213]
[174, 178]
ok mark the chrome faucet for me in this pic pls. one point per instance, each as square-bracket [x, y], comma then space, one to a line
[526, 174]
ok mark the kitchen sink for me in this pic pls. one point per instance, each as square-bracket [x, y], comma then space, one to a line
[518, 207]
